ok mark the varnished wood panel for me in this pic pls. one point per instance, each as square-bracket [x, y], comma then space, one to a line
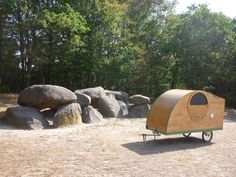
[176, 116]
[159, 114]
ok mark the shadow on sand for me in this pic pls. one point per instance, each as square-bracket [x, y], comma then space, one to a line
[165, 145]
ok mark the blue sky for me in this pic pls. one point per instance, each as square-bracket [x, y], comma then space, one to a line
[227, 7]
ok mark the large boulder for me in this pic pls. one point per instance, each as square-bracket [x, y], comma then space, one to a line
[139, 99]
[108, 106]
[25, 118]
[83, 99]
[46, 96]
[119, 95]
[95, 93]
[124, 110]
[91, 115]
[67, 115]
[139, 111]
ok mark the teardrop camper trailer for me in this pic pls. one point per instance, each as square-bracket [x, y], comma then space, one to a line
[186, 111]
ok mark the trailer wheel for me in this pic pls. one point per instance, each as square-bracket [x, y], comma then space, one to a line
[186, 134]
[207, 136]
[144, 137]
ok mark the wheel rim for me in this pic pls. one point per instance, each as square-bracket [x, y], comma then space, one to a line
[207, 136]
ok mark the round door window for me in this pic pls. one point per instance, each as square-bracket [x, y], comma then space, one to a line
[198, 106]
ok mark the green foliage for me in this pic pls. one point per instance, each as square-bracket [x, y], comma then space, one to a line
[136, 46]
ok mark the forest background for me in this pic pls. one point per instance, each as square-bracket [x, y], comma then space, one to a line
[136, 46]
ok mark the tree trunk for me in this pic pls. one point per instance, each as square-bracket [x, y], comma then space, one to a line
[1, 51]
[174, 75]
[21, 45]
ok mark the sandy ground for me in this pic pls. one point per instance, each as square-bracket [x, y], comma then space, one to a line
[115, 148]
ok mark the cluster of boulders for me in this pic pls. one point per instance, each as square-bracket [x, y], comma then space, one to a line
[41, 104]
[108, 103]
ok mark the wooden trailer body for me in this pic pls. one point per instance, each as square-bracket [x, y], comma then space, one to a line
[185, 111]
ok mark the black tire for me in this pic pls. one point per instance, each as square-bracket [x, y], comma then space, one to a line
[186, 134]
[207, 136]
[144, 137]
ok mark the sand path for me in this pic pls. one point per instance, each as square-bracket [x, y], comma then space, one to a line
[115, 148]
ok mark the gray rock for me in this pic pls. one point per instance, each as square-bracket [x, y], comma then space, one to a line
[91, 115]
[83, 99]
[94, 93]
[2, 114]
[124, 111]
[139, 99]
[119, 95]
[67, 115]
[25, 118]
[48, 113]
[139, 111]
[46, 96]
[108, 106]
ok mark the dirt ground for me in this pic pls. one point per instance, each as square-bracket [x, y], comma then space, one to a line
[114, 147]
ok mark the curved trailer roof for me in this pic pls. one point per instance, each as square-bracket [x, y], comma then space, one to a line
[172, 112]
